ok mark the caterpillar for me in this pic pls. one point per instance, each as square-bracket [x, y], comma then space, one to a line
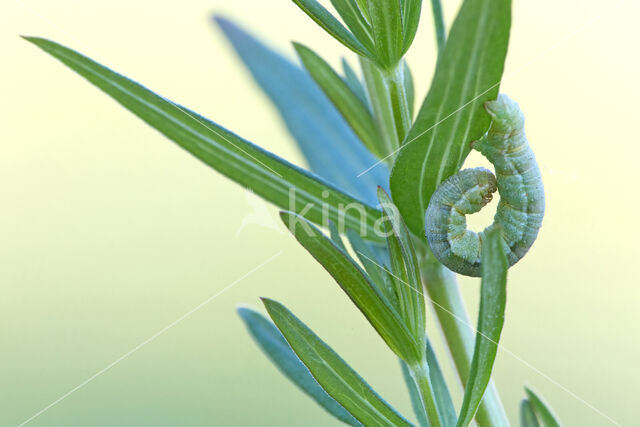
[518, 182]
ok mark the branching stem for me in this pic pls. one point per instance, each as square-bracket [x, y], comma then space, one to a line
[420, 375]
[444, 293]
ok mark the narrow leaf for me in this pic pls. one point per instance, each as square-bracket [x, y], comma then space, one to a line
[375, 268]
[527, 415]
[382, 108]
[467, 74]
[409, 88]
[332, 373]
[344, 99]
[404, 266]
[355, 20]
[331, 148]
[270, 177]
[493, 299]
[410, 19]
[356, 284]
[276, 348]
[386, 22]
[331, 25]
[542, 409]
[363, 5]
[354, 83]
[438, 23]
[335, 236]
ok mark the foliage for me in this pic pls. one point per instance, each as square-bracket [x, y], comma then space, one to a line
[353, 129]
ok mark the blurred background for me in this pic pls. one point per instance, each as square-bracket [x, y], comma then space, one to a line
[110, 233]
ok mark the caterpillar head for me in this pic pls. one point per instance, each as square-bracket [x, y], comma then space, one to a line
[506, 114]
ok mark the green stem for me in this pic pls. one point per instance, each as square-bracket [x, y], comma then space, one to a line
[444, 293]
[399, 101]
[388, 97]
[420, 375]
[438, 22]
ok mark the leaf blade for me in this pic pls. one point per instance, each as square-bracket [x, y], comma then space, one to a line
[438, 24]
[353, 17]
[410, 19]
[354, 83]
[467, 74]
[275, 347]
[493, 298]
[386, 23]
[374, 267]
[356, 284]
[265, 174]
[331, 148]
[343, 98]
[332, 373]
[405, 268]
[542, 409]
[527, 415]
[331, 25]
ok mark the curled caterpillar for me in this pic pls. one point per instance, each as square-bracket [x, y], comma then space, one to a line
[518, 181]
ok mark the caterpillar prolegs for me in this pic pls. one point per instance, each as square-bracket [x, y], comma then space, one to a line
[518, 181]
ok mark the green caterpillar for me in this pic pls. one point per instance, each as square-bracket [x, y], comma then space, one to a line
[518, 181]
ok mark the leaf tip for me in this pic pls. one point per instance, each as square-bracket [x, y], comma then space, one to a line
[244, 310]
[270, 305]
[286, 217]
[32, 39]
[220, 19]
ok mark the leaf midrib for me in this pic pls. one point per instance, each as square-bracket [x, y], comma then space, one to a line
[477, 57]
[312, 348]
[203, 141]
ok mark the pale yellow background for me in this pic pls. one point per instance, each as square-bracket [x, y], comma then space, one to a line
[109, 232]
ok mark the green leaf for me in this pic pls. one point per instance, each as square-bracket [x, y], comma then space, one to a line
[276, 348]
[331, 148]
[335, 236]
[265, 174]
[404, 266]
[409, 87]
[542, 409]
[410, 19]
[375, 268]
[353, 17]
[443, 398]
[386, 22]
[493, 299]
[331, 25]
[354, 83]
[390, 106]
[467, 74]
[343, 98]
[356, 284]
[332, 373]
[527, 415]
[363, 5]
[438, 23]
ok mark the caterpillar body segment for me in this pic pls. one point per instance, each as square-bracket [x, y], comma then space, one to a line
[518, 181]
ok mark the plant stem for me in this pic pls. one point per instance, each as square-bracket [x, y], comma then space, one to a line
[420, 375]
[388, 97]
[444, 293]
[399, 101]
